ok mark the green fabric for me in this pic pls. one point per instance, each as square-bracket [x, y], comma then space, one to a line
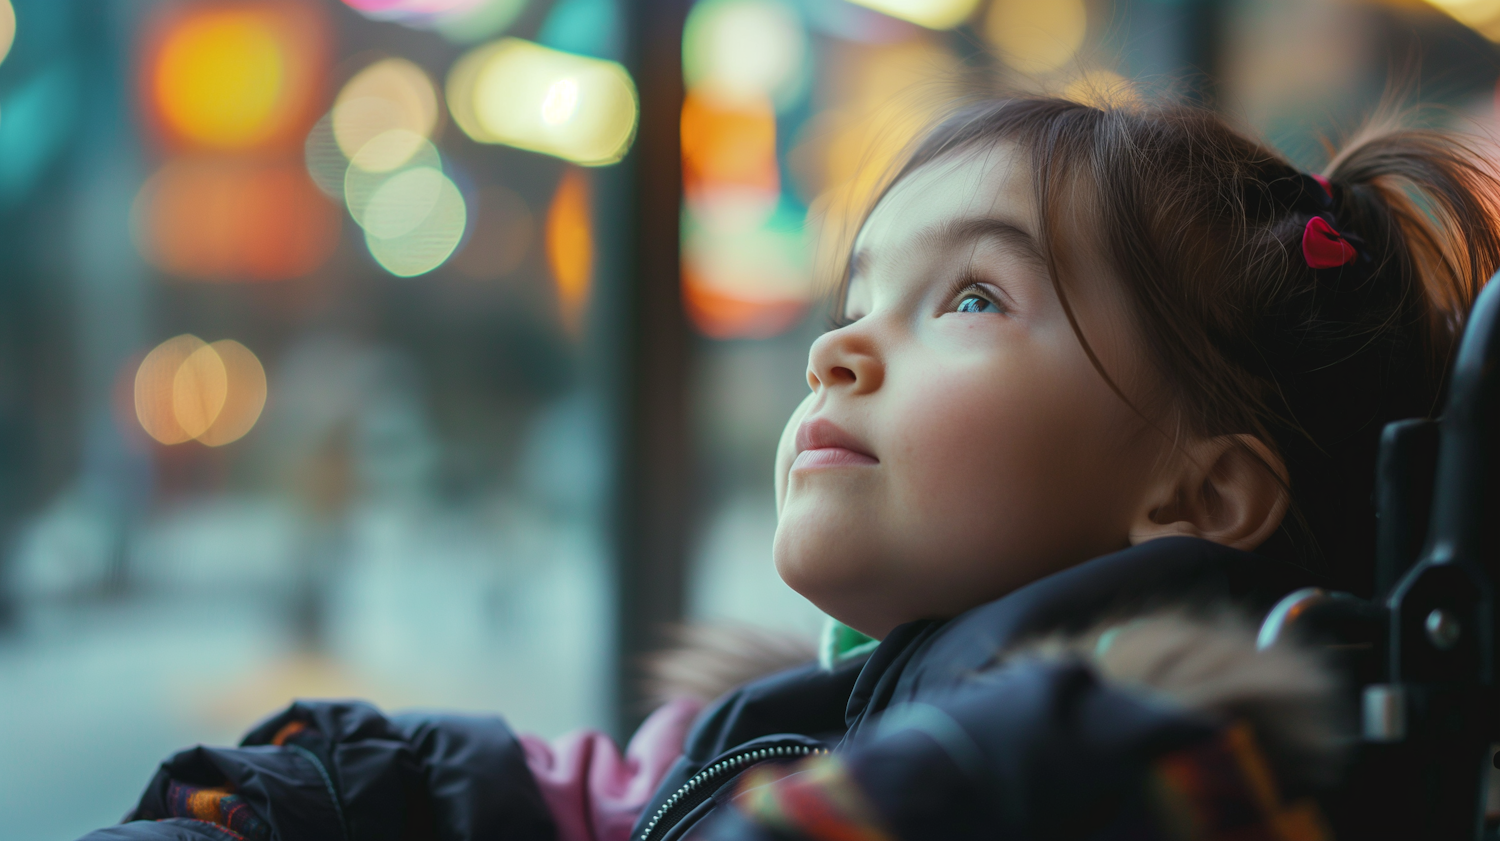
[841, 643]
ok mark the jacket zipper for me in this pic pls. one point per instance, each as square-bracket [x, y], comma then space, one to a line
[698, 788]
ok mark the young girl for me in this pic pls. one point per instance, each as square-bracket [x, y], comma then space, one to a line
[1088, 361]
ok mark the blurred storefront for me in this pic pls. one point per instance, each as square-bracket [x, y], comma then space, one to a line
[323, 364]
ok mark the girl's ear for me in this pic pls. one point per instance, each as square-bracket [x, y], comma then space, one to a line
[1230, 489]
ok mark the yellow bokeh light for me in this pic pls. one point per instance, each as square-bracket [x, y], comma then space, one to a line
[570, 247]
[1037, 36]
[561, 102]
[186, 389]
[219, 79]
[198, 391]
[933, 14]
[1103, 89]
[155, 387]
[7, 27]
[1482, 16]
[528, 96]
[393, 94]
[423, 214]
[743, 50]
[245, 397]
[843, 158]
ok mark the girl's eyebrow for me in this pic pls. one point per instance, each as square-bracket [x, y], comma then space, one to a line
[957, 232]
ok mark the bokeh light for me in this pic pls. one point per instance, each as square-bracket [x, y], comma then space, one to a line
[500, 235]
[1037, 36]
[236, 76]
[842, 158]
[1483, 16]
[227, 219]
[244, 398]
[155, 388]
[412, 214]
[414, 220]
[933, 14]
[570, 247]
[38, 117]
[481, 20]
[525, 95]
[187, 389]
[389, 95]
[742, 279]
[464, 21]
[378, 161]
[7, 27]
[585, 27]
[745, 50]
[198, 391]
[729, 148]
[325, 161]
[1102, 88]
[403, 201]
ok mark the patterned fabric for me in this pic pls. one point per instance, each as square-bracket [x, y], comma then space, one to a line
[217, 806]
[815, 799]
[1220, 790]
[1223, 790]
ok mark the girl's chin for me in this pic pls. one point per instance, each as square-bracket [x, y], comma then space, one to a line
[822, 577]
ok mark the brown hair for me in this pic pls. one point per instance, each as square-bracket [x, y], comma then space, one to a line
[1204, 227]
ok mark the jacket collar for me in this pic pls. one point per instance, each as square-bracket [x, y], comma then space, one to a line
[932, 656]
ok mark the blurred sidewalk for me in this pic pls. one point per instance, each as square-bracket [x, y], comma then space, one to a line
[501, 610]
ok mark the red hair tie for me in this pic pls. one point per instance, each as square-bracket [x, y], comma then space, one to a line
[1323, 247]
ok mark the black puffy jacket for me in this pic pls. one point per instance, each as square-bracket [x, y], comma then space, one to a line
[940, 733]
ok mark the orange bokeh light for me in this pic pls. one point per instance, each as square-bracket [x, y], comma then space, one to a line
[570, 247]
[226, 219]
[236, 76]
[728, 146]
[187, 389]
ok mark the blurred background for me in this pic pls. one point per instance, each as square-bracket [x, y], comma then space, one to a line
[435, 351]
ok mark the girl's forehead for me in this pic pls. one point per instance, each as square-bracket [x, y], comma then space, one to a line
[991, 182]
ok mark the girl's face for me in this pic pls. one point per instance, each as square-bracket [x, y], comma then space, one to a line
[957, 442]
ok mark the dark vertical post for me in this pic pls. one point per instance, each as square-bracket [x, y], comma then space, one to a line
[1204, 30]
[1181, 40]
[647, 349]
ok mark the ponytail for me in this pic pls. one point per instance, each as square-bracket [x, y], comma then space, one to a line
[1433, 201]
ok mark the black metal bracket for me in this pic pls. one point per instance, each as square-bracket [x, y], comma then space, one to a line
[1424, 659]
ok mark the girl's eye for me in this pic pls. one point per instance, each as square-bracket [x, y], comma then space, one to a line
[976, 303]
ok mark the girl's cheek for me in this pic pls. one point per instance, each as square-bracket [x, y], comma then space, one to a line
[969, 429]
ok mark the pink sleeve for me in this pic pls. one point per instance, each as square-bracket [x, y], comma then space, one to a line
[595, 794]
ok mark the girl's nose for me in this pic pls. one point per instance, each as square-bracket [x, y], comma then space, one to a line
[846, 358]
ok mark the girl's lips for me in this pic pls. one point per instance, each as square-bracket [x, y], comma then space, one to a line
[822, 443]
[830, 457]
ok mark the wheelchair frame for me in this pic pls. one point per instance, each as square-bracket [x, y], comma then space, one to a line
[1422, 656]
